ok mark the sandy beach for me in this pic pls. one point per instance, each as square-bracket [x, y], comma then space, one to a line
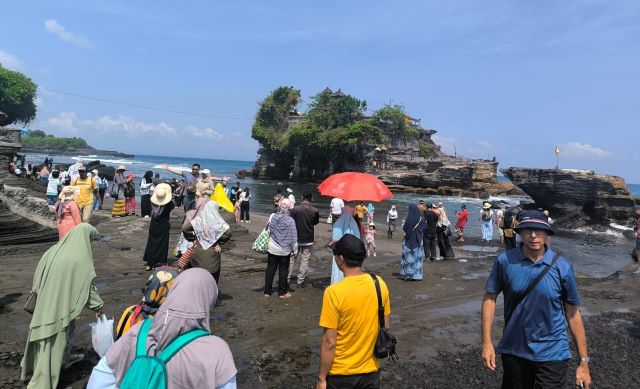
[275, 343]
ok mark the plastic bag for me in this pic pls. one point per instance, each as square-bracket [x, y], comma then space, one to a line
[107, 195]
[102, 335]
[330, 219]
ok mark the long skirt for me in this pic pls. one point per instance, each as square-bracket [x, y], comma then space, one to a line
[118, 207]
[444, 245]
[145, 205]
[43, 359]
[336, 273]
[411, 265]
[157, 248]
[487, 229]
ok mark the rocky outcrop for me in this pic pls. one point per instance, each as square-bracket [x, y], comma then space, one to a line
[577, 195]
[10, 143]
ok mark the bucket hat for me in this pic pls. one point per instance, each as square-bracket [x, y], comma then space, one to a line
[69, 193]
[121, 167]
[534, 220]
[162, 194]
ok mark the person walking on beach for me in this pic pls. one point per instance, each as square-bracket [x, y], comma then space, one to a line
[63, 281]
[540, 304]
[130, 195]
[431, 217]
[498, 220]
[88, 189]
[443, 232]
[306, 217]
[370, 211]
[233, 193]
[67, 211]
[157, 248]
[205, 361]
[349, 318]
[392, 217]
[283, 241]
[336, 209]
[370, 238]
[190, 179]
[346, 224]
[146, 186]
[74, 170]
[103, 184]
[508, 225]
[245, 205]
[412, 263]
[119, 182]
[486, 222]
[53, 187]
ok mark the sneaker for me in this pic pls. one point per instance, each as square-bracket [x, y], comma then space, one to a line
[374, 254]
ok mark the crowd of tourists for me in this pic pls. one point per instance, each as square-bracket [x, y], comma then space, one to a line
[355, 313]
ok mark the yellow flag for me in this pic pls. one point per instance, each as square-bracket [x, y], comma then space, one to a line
[221, 198]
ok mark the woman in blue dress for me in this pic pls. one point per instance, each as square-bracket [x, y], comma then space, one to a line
[346, 224]
[411, 265]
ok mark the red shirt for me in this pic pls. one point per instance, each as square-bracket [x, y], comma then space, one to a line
[462, 218]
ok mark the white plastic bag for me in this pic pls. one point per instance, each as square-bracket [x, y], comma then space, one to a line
[330, 219]
[102, 335]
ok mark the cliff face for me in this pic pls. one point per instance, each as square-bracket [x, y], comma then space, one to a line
[417, 165]
[580, 194]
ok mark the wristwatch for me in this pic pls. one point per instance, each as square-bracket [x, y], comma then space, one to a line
[585, 359]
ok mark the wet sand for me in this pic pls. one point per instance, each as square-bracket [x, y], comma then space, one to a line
[275, 342]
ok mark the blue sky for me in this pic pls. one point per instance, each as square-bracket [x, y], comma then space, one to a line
[510, 79]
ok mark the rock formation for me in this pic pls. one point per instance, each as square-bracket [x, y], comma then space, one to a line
[578, 196]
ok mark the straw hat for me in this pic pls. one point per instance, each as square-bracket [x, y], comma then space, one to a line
[162, 194]
[121, 167]
[69, 193]
[486, 206]
[205, 171]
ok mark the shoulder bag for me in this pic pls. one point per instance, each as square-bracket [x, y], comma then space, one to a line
[261, 244]
[385, 346]
[532, 286]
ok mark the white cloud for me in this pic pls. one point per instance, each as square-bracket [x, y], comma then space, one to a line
[10, 61]
[61, 32]
[122, 125]
[484, 144]
[576, 149]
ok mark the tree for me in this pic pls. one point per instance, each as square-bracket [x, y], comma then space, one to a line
[328, 110]
[392, 119]
[17, 95]
[37, 133]
[272, 119]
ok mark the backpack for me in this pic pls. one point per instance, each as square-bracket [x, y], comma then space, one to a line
[148, 371]
[486, 215]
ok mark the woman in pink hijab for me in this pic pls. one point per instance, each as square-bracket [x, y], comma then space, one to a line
[206, 362]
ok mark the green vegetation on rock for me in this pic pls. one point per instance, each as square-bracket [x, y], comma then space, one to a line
[427, 150]
[37, 139]
[17, 95]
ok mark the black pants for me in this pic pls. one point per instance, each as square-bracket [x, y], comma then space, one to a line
[244, 211]
[430, 247]
[444, 246]
[145, 205]
[509, 242]
[520, 373]
[356, 381]
[189, 202]
[281, 263]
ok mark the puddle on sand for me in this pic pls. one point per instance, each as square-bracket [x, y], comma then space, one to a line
[469, 308]
[473, 276]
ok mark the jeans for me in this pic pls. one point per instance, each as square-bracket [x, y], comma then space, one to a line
[280, 263]
[51, 199]
[301, 262]
[356, 381]
[430, 247]
[520, 373]
[244, 211]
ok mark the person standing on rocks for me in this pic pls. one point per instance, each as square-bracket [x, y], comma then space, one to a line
[283, 240]
[64, 284]
[146, 186]
[508, 225]
[498, 220]
[157, 248]
[88, 189]
[190, 179]
[349, 318]
[443, 233]
[463, 216]
[306, 217]
[392, 217]
[540, 307]
[74, 170]
[432, 217]
[486, 222]
[67, 211]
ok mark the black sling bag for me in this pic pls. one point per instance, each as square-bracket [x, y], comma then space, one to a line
[385, 346]
[532, 286]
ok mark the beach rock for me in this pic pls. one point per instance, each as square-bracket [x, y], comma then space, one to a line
[577, 195]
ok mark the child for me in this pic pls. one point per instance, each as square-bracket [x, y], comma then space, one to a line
[371, 238]
[130, 196]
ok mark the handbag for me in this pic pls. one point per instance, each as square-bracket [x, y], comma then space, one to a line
[261, 244]
[30, 303]
[114, 191]
[385, 346]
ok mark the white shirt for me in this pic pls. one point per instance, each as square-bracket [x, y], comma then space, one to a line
[73, 171]
[336, 206]
[292, 198]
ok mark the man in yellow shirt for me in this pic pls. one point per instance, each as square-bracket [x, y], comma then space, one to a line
[88, 189]
[350, 320]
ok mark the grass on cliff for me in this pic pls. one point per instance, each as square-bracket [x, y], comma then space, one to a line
[40, 140]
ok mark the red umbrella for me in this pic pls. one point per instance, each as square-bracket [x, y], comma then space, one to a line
[355, 186]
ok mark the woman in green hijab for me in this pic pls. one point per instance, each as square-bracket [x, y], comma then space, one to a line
[64, 283]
